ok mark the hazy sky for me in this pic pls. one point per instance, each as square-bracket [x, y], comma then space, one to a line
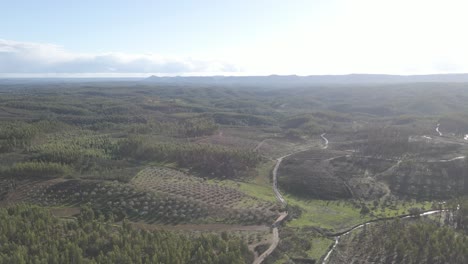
[142, 37]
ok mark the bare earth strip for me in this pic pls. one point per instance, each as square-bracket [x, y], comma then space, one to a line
[270, 249]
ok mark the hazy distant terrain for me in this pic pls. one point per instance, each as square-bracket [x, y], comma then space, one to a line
[293, 80]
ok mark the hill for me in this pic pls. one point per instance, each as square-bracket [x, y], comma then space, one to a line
[295, 80]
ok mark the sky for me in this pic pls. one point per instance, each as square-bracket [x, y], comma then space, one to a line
[121, 38]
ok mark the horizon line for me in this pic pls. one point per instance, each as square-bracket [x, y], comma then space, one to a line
[145, 76]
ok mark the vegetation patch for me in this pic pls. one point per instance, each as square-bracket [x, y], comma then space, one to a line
[170, 181]
[29, 234]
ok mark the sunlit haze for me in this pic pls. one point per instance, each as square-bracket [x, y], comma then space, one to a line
[304, 37]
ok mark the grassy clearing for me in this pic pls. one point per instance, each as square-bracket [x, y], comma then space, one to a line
[263, 173]
[338, 215]
[259, 191]
[320, 247]
[259, 186]
[326, 214]
[401, 208]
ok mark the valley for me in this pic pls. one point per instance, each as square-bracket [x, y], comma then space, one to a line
[280, 172]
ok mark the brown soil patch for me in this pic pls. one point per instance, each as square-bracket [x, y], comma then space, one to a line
[65, 212]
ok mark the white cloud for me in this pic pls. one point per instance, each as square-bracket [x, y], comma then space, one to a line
[36, 59]
[366, 36]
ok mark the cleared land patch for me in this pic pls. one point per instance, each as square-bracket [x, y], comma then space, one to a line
[170, 181]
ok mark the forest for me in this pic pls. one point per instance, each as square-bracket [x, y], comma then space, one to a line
[397, 241]
[30, 234]
[145, 172]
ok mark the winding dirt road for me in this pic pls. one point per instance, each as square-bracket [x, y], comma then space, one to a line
[325, 139]
[281, 199]
[272, 247]
[438, 131]
[338, 236]
[259, 145]
[278, 195]
[282, 216]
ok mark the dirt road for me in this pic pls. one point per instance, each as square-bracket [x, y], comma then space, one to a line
[270, 250]
[325, 139]
[283, 215]
[337, 238]
[438, 131]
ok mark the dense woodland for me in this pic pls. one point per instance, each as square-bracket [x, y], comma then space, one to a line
[29, 234]
[400, 242]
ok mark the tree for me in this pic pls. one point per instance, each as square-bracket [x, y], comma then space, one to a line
[414, 211]
[364, 209]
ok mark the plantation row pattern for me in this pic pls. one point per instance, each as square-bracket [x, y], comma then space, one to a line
[171, 181]
[124, 200]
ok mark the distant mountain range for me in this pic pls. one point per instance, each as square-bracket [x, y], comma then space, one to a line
[309, 80]
[263, 81]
